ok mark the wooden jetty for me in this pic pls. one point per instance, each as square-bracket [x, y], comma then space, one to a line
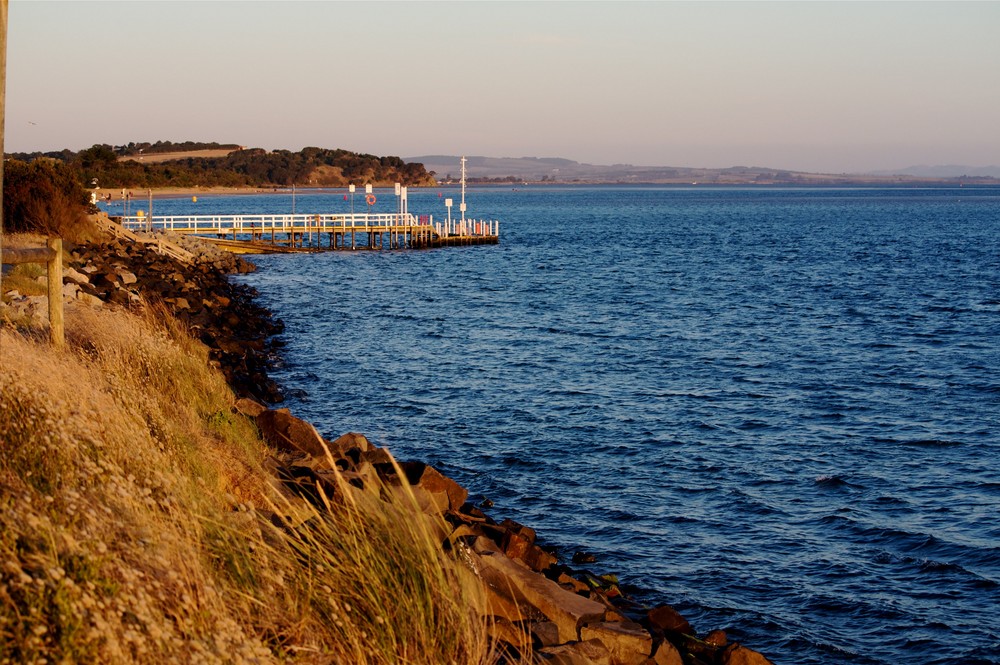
[359, 231]
[305, 232]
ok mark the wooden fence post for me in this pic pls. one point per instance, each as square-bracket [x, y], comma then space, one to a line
[57, 331]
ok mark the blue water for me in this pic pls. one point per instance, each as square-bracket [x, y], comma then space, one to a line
[776, 409]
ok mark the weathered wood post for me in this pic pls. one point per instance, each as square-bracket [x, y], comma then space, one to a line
[57, 331]
[51, 256]
[3, 101]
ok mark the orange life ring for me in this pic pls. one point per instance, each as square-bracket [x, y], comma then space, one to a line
[370, 199]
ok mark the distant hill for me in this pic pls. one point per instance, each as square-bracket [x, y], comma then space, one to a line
[945, 171]
[447, 168]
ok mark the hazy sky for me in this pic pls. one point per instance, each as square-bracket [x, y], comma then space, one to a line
[832, 87]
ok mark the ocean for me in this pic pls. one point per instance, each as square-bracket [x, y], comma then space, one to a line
[776, 409]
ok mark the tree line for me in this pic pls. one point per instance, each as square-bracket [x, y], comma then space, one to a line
[320, 167]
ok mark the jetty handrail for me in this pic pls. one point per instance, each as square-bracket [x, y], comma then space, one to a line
[306, 222]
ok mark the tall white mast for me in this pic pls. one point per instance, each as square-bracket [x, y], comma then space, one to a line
[462, 206]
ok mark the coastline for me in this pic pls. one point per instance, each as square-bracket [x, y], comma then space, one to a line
[141, 194]
[537, 605]
[829, 182]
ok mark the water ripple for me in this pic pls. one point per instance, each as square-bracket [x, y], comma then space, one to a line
[775, 408]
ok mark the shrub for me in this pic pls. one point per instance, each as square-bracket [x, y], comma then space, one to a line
[44, 197]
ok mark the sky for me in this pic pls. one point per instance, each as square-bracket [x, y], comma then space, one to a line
[839, 87]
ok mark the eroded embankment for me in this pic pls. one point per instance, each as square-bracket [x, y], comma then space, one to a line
[535, 609]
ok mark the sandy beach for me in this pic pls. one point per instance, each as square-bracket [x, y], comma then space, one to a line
[141, 194]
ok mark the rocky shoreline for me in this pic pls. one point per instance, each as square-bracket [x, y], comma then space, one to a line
[539, 607]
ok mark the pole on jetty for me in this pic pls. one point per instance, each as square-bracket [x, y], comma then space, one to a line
[461, 206]
[402, 203]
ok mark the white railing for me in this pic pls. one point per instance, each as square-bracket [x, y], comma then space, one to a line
[227, 224]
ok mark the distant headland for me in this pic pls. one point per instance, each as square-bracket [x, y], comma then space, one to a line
[165, 166]
[554, 170]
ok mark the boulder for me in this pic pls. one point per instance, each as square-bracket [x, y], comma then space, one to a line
[566, 609]
[348, 442]
[89, 300]
[667, 619]
[515, 546]
[364, 477]
[546, 633]
[667, 654]
[249, 407]
[70, 290]
[443, 492]
[627, 641]
[539, 560]
[70, 274]
[286, 432]
[377, 456]
[717, 638]
[736, 654]
[506, 631]
[572, 584]
[578, 653]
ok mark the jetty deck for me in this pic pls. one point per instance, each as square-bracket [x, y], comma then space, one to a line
[327, 231]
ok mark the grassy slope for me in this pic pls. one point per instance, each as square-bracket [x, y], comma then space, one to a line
[137, 524]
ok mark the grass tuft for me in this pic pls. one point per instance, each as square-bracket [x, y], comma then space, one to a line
[139, 523]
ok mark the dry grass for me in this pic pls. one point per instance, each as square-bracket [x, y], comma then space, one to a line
[160, 157]
[136, 525]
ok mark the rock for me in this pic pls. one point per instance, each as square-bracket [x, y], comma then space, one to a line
[37, 307]
[717, 638]
[249, 407]
[483, 545]
[539, 560]
[668, 619]
[70, 274]
[120, 297]
[516, 527]
[505, 631]
[70, 291]
[546, 633]
[667, 654]
[566, 609]
[350, 441]
[286, 432]
[578, 653]
[377, 456]
[583, 557]
[444, 493]
[628, 642]
[515, 546]
[364, 477]
[736, 654]
[572, 584]
[89, 300]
